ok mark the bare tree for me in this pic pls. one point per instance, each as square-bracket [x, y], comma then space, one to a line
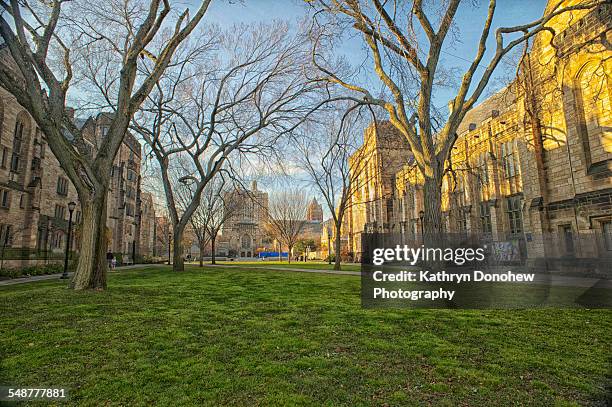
[287, 217]
[163, 234]
[332, 153]
[124, 31]
[244, 95]
[218, 203]
[405, 47]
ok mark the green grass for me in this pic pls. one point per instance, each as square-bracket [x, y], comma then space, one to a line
[230, 337]
[315, 265]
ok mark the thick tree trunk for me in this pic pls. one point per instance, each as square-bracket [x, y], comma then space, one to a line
[202, 253]
[432, 220]
[337, 247]
[289, 254]
[91, 268]
[178, 264]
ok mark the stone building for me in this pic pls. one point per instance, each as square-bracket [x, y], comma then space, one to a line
[533, 163]
[147, 225]
[35, 192]
[371, 207]
[314, 212]
[243, 234]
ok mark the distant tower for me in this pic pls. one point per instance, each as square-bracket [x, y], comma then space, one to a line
[254, 186]
[315, 211]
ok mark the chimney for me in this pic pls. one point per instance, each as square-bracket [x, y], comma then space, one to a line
[254, 186]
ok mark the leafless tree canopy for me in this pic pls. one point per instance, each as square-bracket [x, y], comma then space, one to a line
[330, 151]
[287, 216]
[217, 205]
[226, 98]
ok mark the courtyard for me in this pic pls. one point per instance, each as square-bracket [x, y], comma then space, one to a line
[253, 336]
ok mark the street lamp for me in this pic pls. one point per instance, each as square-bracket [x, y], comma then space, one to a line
[71, 207]
[328, 246]
[421, 216]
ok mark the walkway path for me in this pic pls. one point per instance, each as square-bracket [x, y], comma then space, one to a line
[44, 277]
[281, 268]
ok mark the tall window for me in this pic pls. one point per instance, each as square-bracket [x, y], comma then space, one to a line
[483, 173]
[17, 143]
[509, 159]
[62, 186]
[5, 198]
[60, 211]
[6, 236]
[484, 212]
[594, 111]
[607, 234]
[57, 239]
[131, 175]
[515, 217]
[390, 210]
[5, 154]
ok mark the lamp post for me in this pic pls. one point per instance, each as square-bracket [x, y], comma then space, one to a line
[329, 243]
[71, 207]
[421, 216]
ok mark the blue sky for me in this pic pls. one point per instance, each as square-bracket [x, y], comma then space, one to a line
[469, 20]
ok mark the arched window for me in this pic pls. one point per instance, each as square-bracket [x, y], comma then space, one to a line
[21, 127]
[594, 112]
[245, 241]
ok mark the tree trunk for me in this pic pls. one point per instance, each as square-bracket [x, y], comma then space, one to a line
[91, 268]
[178, 263]
[289, 254]
[202, 247]
[337, 244]
[212, 248]
[432, 220]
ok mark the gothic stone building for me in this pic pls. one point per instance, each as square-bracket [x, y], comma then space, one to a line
[532, 164]
[244, 232]
[35, 192]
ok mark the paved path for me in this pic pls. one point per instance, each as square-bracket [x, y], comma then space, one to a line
[281, 268]
[32, 279]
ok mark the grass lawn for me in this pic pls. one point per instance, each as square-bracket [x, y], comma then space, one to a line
[230, 337]
[318, 265]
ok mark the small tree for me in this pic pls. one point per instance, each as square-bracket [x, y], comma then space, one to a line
[287, 217]
[330, 151]
[217, 205]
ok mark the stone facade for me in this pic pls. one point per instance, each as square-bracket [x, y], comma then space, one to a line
[371, 206]
[532, 164]
[244, 232]
[35, 192]
[314, 212]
